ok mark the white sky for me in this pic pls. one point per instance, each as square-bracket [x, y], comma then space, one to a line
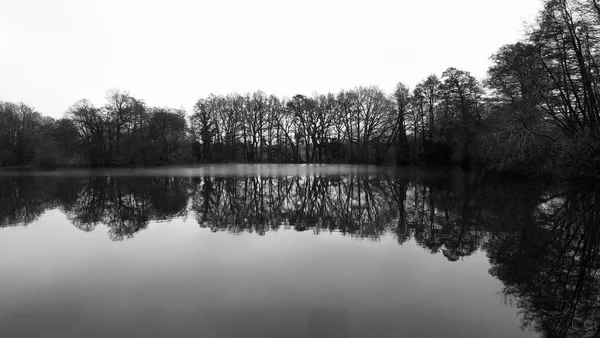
[171, 53]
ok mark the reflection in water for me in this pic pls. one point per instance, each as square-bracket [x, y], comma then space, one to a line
[448, 215]
[549, 265]
[545, 249]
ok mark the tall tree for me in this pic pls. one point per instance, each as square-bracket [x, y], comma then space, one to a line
[204, 125]
[463, 94]
[515, 133]
[430, 89]
[119, 112]
[402, 99]
[92, 128]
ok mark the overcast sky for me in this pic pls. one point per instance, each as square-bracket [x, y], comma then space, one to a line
[170, 53]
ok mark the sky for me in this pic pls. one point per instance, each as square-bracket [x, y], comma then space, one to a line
[171, 53]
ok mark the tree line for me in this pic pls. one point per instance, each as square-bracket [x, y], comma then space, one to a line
[536, 112]
[361, 125]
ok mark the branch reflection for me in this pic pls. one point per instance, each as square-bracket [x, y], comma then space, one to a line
[543, 244]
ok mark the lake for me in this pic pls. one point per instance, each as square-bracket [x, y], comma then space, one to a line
[296, 251]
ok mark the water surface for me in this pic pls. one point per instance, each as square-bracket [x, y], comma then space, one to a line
[295, 251]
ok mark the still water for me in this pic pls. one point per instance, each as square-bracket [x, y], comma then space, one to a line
[296, 251]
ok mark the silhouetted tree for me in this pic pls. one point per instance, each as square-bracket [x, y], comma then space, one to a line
[462, 94]
[401, 98]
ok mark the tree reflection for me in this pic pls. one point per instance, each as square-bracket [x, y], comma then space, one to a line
[550, 266]
[543, 246]
[354, 205]
[24, 199]
[90, 206]
[439, 214]
[127, 205]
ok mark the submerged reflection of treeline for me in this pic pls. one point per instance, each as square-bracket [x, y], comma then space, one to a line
[543, 244]
[449, 213]
[125, 206]
[550, 264]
